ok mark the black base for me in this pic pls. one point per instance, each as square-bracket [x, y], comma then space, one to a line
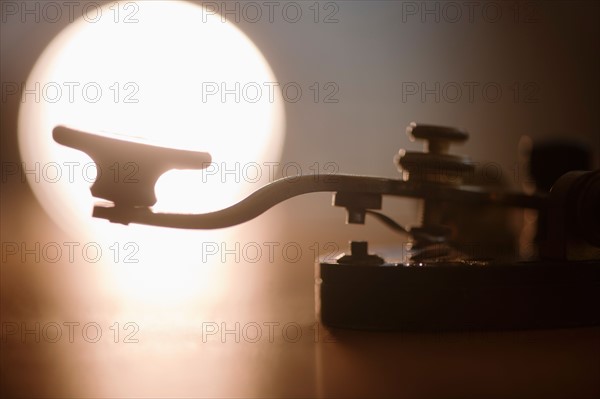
[525, 295]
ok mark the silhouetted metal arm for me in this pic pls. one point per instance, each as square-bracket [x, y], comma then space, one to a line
[286, 188]
[133, 196]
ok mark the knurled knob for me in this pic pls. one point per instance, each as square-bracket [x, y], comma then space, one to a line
[435, 165]
[438, 138]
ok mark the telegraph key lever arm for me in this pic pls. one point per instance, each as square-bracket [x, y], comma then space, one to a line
[132, 199]
[139, 165]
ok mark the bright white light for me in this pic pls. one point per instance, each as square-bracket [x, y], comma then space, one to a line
[152, 75]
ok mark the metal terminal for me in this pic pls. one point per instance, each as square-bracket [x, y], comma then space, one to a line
[357, 205]
[359, 255]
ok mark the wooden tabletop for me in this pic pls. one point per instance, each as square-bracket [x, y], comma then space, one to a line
[242, 329]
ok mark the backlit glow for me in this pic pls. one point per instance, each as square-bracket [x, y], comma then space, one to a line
[152, 75]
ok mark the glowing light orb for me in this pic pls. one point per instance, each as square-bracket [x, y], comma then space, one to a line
[154, 78]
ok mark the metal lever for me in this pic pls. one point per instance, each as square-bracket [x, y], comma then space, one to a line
[132, 200]
[145, 162]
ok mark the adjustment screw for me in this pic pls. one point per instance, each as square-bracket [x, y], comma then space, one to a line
[359, 255]
[438, 138]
